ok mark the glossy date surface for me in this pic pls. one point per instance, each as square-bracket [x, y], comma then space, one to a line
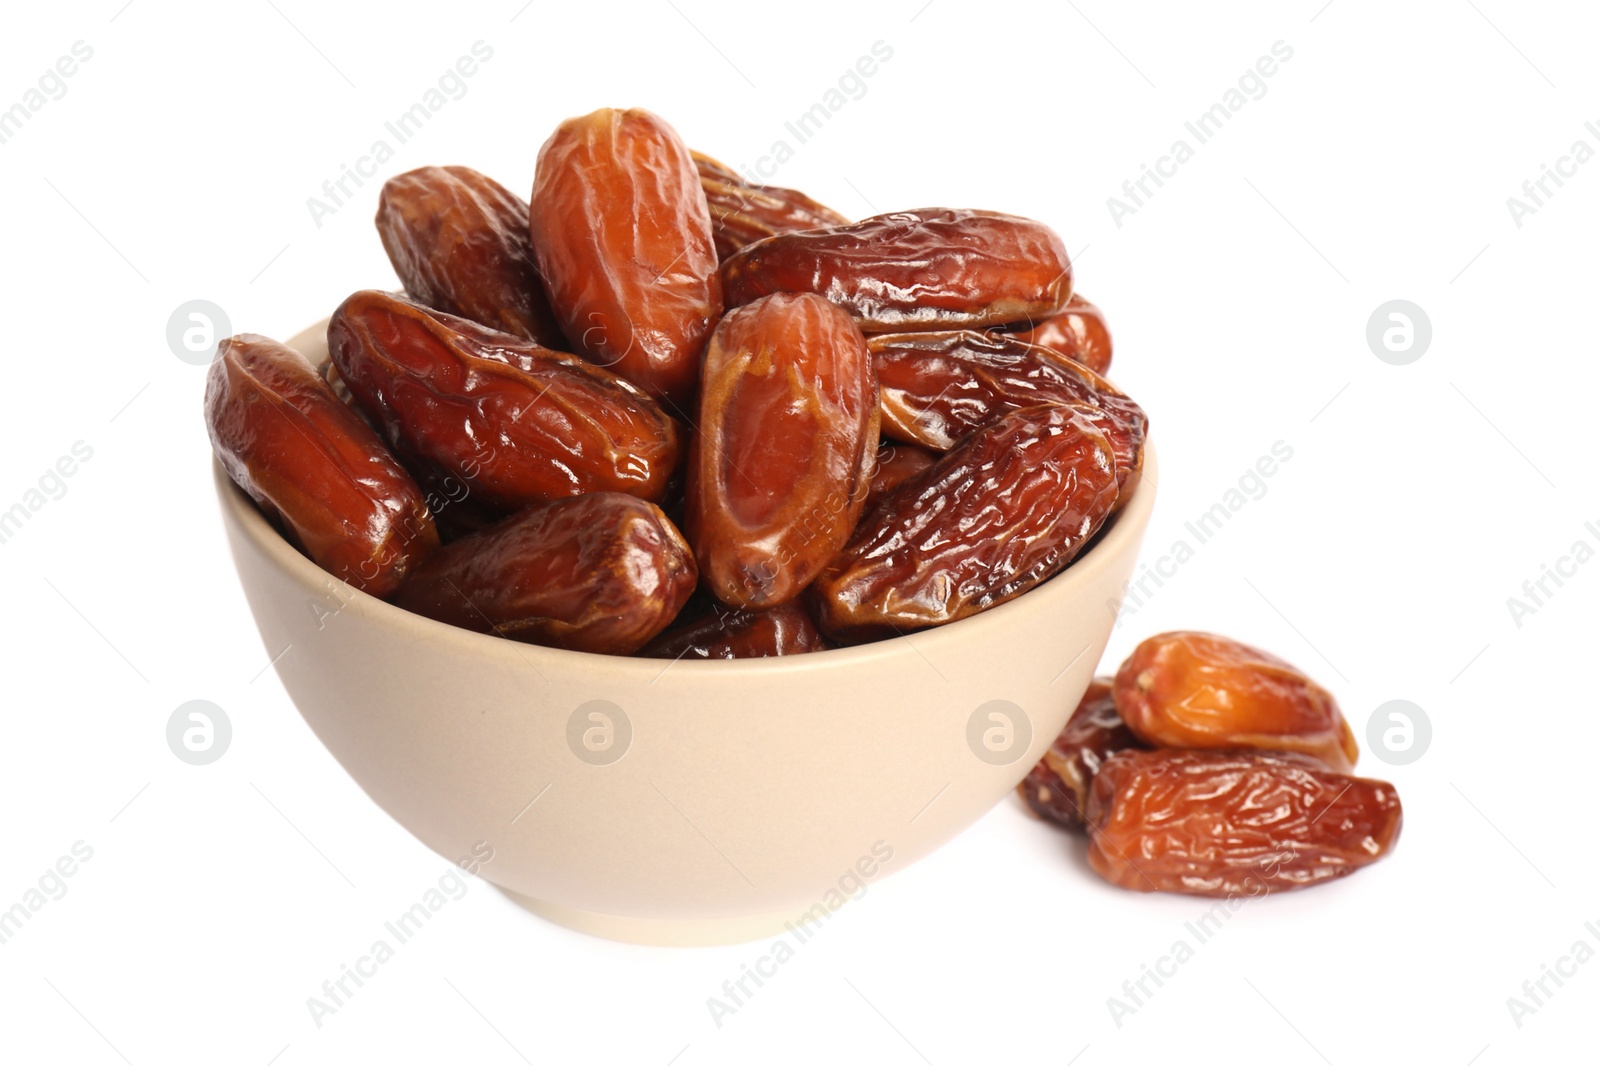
[603, 572]
[1005, 510]
[459, 242]
[1057, 789]
[1187, 689]
[512, 422]
[780, 466]
[311, 463]
[622, 235]
[937, 386]
[1078, 331]
[1234, 823]
[734, 633]
[894, 465]
[923, 269]
[743, 212]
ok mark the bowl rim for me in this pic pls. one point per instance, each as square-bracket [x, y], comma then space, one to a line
[1126, 525]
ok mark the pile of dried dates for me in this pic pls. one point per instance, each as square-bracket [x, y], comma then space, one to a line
[1210, 768]
[660, 410]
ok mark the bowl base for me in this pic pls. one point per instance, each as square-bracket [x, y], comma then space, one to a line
[656, 932]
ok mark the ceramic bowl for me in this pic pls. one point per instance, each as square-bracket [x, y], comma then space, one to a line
[679, 802]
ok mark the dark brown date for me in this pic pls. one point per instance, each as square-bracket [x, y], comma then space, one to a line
[1234, 823]
[603, 572]
[1003, 511]
[937, 386]
[924, 269]
[459, 242]
[622, 233]
[743, 213]
[1200, 690]
[731, 633]
[513, 422]
[896, 464]
[781, 464]
[1057, 789]
[457, 509]
[1078, 332]
[313, 466]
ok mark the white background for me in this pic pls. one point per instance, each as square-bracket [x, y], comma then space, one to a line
[1419, 498]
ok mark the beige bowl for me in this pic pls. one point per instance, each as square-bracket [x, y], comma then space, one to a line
[679, 802]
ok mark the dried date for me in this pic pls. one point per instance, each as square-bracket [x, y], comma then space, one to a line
[1007, 509]
[604, 572]
[1234, 823]
[314, 466]
[457, 509]
[743, 212]
[459, 242]
[514, 422]
[732, 633]
[622, 235]
[781, 464]
[923, 269]
[1078, 332]
[1057, 789]
[895, 465]
[937, 386]
[1200, 690]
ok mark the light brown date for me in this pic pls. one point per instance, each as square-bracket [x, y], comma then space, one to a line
[1234, 823]
[743, 212]
[314, 466]
[1078, 332]
[622, 234]
[459, 242]
[937, 386]
[781, 464]
[603, 572]
[1199, 690]
[923, 269]
[732, 633]
[1005, 510]
[513, 422]
[1057, 789]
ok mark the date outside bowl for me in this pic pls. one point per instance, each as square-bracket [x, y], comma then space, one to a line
[679, 802]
